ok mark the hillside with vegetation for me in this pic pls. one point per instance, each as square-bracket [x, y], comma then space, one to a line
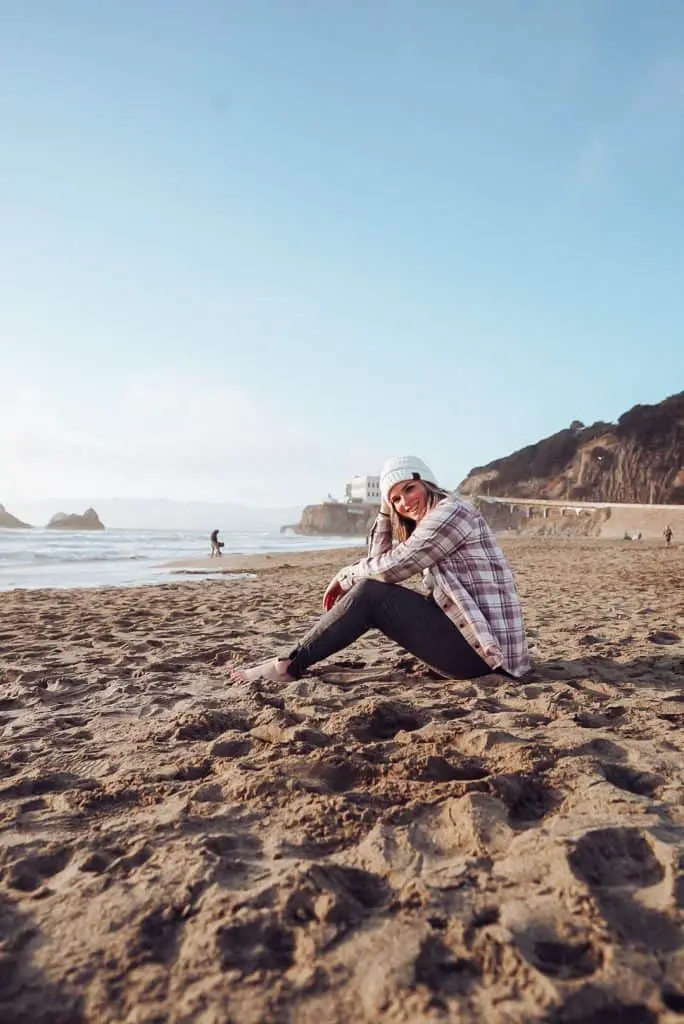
[638, 459]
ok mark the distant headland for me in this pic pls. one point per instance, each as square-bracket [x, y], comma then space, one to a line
[639, 459]
[334, 519]
[10, 522]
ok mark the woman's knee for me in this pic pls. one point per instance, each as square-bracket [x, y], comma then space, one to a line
[369, 590]
[372, 595]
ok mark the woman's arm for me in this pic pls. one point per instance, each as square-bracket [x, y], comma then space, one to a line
[380, 537]
[442, 531]
[379, 541]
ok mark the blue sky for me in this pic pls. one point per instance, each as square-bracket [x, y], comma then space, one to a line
[250, 249]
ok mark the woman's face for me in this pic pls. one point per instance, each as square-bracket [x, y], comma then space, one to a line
[409, 499]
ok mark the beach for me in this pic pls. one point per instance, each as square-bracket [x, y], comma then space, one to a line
[369, 843]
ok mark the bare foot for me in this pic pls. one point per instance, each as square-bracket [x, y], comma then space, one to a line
[274, 671]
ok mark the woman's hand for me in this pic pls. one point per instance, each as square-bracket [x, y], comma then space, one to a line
[384, 508]
[332, 595]
[334, 592]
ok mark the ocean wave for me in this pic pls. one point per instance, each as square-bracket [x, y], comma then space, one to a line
[15, 559]
[120, 558]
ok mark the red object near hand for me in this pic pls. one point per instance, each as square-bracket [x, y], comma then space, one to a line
[332, 595]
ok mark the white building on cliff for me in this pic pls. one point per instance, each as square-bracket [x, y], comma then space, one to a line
[364, 489]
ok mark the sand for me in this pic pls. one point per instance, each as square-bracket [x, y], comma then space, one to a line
[231, 562]
[368, 844]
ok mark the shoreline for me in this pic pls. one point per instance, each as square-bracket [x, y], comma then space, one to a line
[242, 566]
[199, 570]
[128, 568]
[229, 563]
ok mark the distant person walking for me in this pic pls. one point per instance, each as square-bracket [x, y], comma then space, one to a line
[667, 534]
[216, 544]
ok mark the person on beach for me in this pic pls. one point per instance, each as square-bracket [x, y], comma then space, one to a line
[667, 534]
[470, 621]
[216, 544]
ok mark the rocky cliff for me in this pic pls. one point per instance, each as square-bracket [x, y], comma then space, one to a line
[638, 459]
[10, 522]
[336, 519]
[88, 521]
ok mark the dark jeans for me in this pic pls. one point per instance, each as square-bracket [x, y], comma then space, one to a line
[415, 622]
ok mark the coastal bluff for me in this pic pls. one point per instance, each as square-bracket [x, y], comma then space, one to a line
[639, 459]
[89, 520]
[10, 522]
[334, 519]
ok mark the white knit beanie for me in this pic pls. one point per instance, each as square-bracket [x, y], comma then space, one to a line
[403, 467]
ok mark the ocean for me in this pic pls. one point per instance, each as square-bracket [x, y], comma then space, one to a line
[54, 558]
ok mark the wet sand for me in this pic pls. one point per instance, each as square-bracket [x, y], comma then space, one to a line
[231, 562]
[368, 844]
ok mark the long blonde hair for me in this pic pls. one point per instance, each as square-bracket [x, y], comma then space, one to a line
[402, 528]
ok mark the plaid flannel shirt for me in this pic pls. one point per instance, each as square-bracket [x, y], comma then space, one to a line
[466, 572]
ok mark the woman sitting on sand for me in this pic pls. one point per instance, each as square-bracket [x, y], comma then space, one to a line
[469, 624]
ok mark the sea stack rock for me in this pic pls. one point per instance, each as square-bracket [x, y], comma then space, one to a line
[88, 521]
[10, 522]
